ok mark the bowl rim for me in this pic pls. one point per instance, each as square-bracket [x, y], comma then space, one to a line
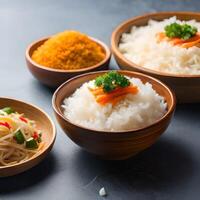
[124, 132]
[117, 53]
[102, 44]
[46, 147]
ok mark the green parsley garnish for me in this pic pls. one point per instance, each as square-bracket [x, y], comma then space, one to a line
[183, 31]
[8, 110]
[111, 81]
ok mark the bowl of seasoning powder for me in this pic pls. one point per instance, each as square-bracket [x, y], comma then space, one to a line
[53, 60]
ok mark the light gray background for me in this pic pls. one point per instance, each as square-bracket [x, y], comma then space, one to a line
[170, 169]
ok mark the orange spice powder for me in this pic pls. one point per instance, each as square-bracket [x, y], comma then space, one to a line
[69, 50]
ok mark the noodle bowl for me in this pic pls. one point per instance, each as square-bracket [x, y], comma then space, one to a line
[19, 137]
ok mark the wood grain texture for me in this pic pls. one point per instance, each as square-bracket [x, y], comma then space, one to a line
[55, 77]
[186, 87]
[116, 145]
[43, 122]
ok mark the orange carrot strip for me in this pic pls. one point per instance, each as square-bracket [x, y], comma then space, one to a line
[99, 91]
[113, 95]
[195, 40]
[176, 41]
[103, 99]
[122, 91]
[190, 44]
[162, 37]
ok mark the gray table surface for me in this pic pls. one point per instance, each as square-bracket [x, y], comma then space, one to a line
[170, 169]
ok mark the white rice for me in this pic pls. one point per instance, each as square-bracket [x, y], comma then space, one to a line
[140, 47]
[135, 111]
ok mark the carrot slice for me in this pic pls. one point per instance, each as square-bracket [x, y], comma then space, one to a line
[176, 41]
[106, 98]
[190, 44]
[103, 99]
[117, 93]
[114, 96]
[193, 41]
[162, 37]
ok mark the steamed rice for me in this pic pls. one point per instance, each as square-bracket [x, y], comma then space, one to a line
[140, 47]
[135, 111]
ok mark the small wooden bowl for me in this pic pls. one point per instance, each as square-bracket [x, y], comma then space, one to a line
[55, 77]
[44, 123]
[186, 87]
[116, 145]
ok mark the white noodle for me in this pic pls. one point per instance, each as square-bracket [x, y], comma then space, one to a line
[10, 151]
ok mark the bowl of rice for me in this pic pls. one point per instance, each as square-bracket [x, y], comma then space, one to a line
[113, 122]
[165, 45]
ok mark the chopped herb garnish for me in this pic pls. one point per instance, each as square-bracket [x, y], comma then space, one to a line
[183, 31]
[111, 81]
[8, 110]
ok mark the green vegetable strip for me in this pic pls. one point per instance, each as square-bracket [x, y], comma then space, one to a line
[19, 137]
[8, 110]
[183, 31]
[31, 143]
[111, 81]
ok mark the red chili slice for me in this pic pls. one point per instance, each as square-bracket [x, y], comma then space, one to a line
[5, 124]
[23, 119]
[35, 135]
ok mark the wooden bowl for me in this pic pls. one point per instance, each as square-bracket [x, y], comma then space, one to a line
[186, 87]
[44, 123]
[113, 145]
[55, 77]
